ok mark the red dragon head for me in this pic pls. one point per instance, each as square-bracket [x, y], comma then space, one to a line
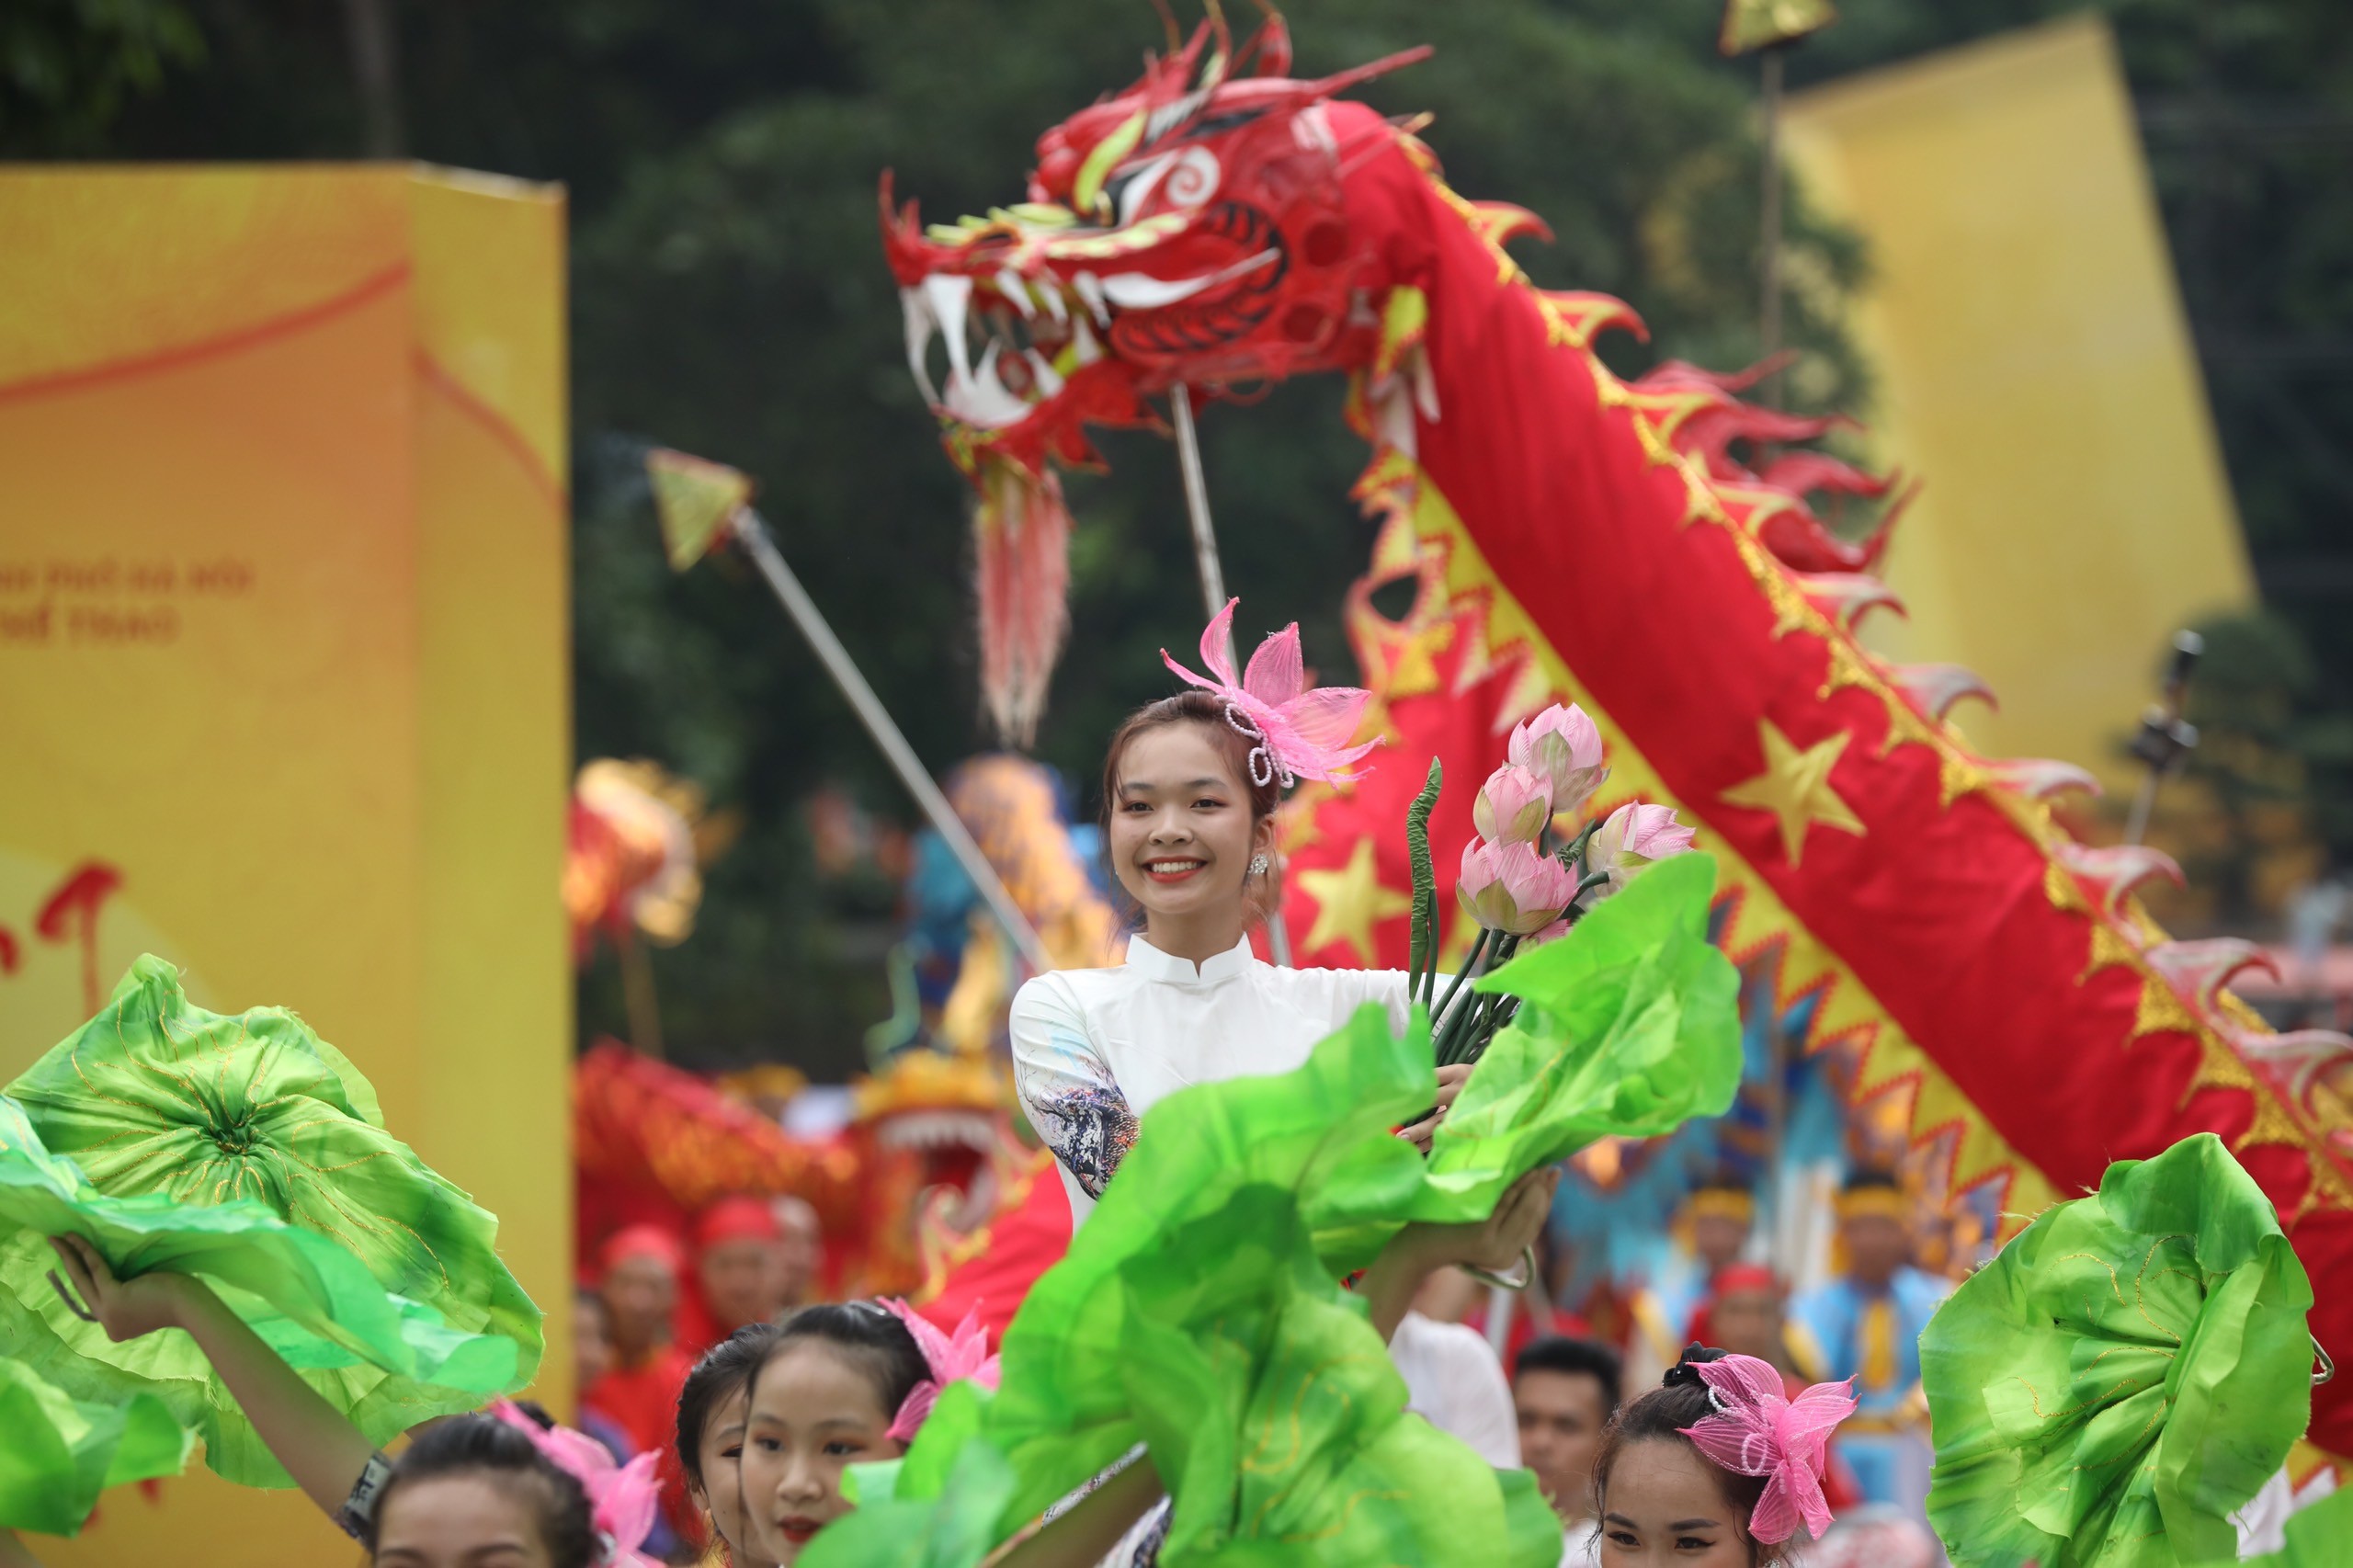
[1190, 230]
[1205, 229]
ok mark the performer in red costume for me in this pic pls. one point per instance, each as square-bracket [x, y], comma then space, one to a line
[738, 1275]
[637, 1279]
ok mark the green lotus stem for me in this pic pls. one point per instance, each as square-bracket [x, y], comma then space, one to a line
[1420, 985]
[1470, 967]
[1571, 854]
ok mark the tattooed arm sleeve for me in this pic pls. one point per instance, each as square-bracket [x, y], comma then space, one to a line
[1065, 1086]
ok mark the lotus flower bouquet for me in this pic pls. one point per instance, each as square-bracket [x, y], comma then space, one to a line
[1527, 875]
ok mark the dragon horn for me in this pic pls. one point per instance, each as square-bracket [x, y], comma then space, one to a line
[1270, 43]
[1357, 75]
[2199, 969]
[2039, 777]
[2300, 1056]
[1936, 687]
[1876, 546]
[2117, 867]
[1847, 597]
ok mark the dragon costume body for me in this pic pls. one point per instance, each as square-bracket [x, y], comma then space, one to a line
[1576, 536]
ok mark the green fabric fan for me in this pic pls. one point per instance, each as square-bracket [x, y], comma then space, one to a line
[2130, 1369]
[248, 1150]
[59, 1453]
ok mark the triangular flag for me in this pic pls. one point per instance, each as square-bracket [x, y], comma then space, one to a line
[1761, 24]
[696, 499]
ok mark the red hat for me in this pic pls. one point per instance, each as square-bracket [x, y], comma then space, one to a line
[1745, 1276]
[733, 1219]
[640, 1241]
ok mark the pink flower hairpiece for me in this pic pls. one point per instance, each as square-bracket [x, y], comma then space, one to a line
[1759, 1430]
[622, 1498]
[961, 1357]
[1302, 733]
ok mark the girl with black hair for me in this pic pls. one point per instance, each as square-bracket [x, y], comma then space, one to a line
[1715, 1468]
[474, 1492]
[827, 1393]
[713, 1409]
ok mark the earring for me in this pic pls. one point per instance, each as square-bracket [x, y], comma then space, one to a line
[1257, 865]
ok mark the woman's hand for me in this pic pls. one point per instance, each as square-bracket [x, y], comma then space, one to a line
[1450, 1079]
[318, 1445]
[1495, 1243]
[1420, 1249]
[124, 1308]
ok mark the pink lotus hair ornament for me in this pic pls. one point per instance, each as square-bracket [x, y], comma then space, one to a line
[961, 1357]
[622, 1498]
[1302, 733]
[1759, 1430]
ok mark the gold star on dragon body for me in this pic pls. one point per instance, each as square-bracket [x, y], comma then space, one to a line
[1795, 787]
[1351, 902]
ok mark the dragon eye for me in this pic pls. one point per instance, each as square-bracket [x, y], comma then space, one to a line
[1194, 179]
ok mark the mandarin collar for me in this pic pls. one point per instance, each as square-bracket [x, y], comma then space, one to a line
[1150, 963]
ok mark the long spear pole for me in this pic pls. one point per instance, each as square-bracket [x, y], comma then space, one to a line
[1212, 572]
[752, 533]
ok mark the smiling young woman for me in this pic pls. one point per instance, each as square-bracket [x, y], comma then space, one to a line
[1191, 784]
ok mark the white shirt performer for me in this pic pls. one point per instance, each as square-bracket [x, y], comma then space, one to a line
[1094, 1048]
[1191, 784]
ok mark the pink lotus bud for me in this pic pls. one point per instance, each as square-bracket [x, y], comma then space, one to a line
[1552, 933]
[1563, 747]
[1511, 888]
[1634, 836]
[1514, 806]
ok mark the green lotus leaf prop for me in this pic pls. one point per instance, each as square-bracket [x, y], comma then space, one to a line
[249, 1152]
[59, 1453]
[2128, 1371]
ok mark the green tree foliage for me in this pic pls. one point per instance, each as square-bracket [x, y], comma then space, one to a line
[68, 67]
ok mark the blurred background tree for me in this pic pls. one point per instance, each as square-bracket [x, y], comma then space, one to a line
[729, 299]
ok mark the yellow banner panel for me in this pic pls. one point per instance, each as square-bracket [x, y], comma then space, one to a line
[283, 666]
[2036, 372]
